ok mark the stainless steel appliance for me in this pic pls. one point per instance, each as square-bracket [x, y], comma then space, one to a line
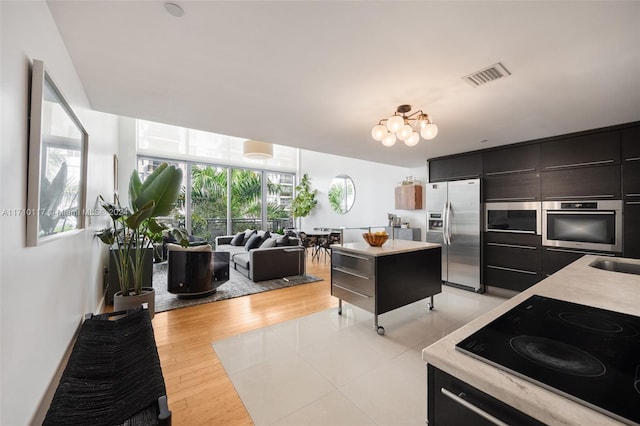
[453, 220]
[587, 354]
[589, 225]
[518, 217]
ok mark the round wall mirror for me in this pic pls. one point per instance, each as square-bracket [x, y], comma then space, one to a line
[342, 194]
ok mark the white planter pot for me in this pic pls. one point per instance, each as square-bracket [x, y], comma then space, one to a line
[148, 296]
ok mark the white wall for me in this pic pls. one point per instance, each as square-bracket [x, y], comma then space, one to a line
[44, 290]
[375, 195]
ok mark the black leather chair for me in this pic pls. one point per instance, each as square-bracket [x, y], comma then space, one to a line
[195, 271]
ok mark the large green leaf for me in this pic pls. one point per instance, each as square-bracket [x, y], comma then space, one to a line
[134, 189]
[135, 220]
[163, 188]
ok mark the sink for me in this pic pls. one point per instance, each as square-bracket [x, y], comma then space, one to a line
[616, 266]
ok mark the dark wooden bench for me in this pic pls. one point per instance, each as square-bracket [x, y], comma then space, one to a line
[113, 376]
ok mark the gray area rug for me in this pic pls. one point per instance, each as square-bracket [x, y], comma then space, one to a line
[238, 285]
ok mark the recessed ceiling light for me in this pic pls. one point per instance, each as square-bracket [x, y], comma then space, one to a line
[174, 9]
[484, 140]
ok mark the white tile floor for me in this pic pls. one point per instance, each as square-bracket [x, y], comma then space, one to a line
[327, 369]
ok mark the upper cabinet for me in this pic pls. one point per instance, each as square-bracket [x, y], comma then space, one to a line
[465, 166]
[630, 141]
[581, 183]
[517, 159]
[587, 150]
[408, 197]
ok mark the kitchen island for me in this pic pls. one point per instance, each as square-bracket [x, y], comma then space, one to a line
[577, 283]
[380, 279]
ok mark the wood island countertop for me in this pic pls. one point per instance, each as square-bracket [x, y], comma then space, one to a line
[578, 283]
[389, 247]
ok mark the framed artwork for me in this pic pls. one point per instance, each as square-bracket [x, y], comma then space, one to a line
[57, 172]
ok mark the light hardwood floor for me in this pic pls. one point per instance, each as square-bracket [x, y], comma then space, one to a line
[198, 389]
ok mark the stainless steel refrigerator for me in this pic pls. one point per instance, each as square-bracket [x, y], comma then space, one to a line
[454, 220]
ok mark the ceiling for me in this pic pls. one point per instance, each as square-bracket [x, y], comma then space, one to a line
[319, 75]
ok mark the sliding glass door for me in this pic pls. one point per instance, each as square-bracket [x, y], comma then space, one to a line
[208, 201]
[219, 200]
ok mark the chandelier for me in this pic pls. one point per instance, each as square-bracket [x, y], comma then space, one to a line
[407, 128]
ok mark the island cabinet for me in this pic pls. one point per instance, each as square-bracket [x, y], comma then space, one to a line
[460, 167]
[512, 261]
[454, 402]
[380, 279]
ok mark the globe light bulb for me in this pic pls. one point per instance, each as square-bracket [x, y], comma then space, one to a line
[413, 139]
[429, 132]
[404, 132]
[378, 132]
[389, 139]
[395, 123]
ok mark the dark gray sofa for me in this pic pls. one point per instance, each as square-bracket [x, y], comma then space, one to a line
[286, 259]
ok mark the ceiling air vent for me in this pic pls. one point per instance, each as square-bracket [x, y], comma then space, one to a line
[487, 75]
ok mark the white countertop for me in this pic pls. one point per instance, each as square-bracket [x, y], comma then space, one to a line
[578, 283]
[389, 247]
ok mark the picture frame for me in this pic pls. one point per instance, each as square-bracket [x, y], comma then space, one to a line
[57, 165]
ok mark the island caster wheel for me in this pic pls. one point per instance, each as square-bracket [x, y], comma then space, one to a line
[380, 330]
[430, 306]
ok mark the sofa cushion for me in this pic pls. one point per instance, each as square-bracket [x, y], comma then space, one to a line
[177, 247]
[241, 259]
[238, 240]
[256, 240]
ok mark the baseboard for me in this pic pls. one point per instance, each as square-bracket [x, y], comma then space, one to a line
[45, 402]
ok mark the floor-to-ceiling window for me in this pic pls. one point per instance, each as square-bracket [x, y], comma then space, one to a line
[223, 193]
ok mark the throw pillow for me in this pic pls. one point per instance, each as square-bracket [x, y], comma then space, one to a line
[248, 233]
[269, 242]
[238, 240]
[284, 241]
[254, 242]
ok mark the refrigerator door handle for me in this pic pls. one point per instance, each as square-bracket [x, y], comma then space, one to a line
[447, 228]
[444, 223]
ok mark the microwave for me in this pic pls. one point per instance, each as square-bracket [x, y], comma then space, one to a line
[587, 225]
[517, 217]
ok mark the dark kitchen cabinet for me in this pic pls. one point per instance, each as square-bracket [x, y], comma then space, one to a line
[512, 187]
[450, 401]
[631, 181]
[511, 260]
[630, 141]
[587, 182]
[464, 166]
[556, 258]
[631, 237]
[585, 150]
[517, 159]
[631, 214]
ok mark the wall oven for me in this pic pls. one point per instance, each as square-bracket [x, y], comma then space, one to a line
[518, 217]
[589, 225]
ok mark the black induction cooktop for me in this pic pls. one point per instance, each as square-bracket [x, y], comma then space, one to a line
[588, 354]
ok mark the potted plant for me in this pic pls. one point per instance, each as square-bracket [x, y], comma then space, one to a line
[134, 229]
[305, 199]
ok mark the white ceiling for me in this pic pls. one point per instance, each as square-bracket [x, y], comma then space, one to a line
[318, 75]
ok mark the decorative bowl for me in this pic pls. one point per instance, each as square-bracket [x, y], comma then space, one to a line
[375, 240]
